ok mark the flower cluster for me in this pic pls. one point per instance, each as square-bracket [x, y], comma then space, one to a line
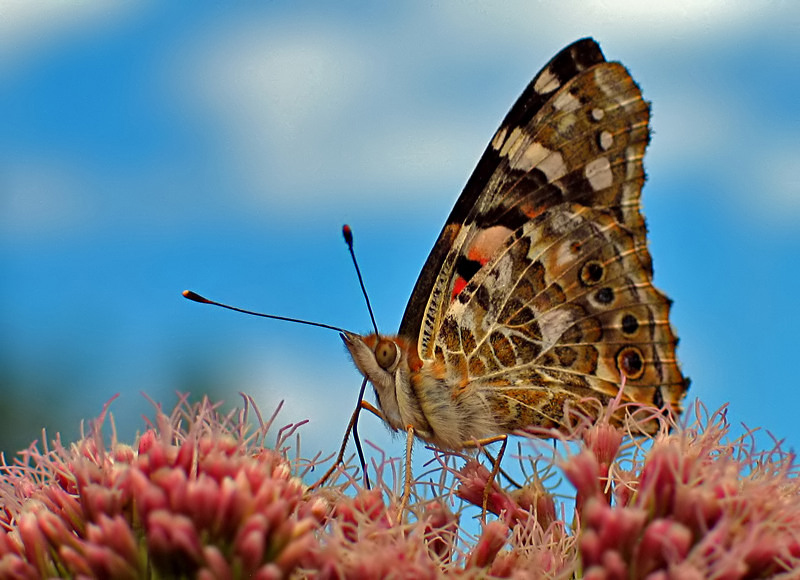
[199, 495]
[686, 503]
[195, 497]
[694, 505]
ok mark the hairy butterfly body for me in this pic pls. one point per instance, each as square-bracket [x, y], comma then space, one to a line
[538, 291]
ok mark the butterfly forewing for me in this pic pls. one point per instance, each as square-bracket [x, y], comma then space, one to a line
[538, 290]
[568, 63]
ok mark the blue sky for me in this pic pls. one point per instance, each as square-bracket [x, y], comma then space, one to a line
[150, 147]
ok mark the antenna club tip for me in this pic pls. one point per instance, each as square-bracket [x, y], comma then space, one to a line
[348, 234]
[193, 296]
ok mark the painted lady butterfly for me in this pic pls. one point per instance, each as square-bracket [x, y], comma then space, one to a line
[539, 289]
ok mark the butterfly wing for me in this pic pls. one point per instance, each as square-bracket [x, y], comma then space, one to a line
[562, 311]
[569, 152]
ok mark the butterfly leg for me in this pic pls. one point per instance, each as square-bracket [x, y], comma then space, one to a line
[367, 406]
[408, 474]
[321, 481]
[495, 466]
[408, 471]
[351, 427]
[493, 476]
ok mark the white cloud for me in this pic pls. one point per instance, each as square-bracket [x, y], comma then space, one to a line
[303, 106]
[699, 134]
[522, 22]
[289, 82]
[307, 106]
[29, 27]
[773, 194]
[781, 175]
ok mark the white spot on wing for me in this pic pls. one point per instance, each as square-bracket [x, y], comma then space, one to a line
[551, 163]
[512, 143]
[599, 174]
[553, 166]
[566, 123]
[499, 138]
[598, 114]
[499, 279]
[560, 222]
[566, 103]
[606, 140]
[546, 83]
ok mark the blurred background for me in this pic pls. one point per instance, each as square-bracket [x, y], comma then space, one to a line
[149, 147]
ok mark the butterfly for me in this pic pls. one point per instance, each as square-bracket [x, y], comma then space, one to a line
[538, 290]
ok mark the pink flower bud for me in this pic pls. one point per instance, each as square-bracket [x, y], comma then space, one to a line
[583, 471]
[604, 441]
[489, 544]
[251, 541]
[664, 542]
[115, 533]
[440, 529]
[173, 540]
[216, 564]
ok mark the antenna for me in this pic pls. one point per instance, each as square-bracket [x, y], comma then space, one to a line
[203, 300]
[348, 238]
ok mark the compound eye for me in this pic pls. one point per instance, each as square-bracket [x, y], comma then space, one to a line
[386, 353]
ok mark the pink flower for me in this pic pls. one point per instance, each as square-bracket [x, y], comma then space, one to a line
[195, 487]
[199, 496]
[703, 506]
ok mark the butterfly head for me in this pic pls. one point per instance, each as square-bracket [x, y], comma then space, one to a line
[384, 362]
[375, 356]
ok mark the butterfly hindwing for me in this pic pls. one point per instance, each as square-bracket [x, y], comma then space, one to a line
[562, 311]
